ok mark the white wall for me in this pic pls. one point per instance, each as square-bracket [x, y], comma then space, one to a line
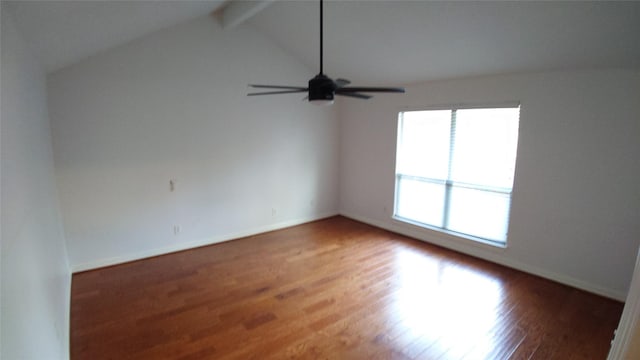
[35, 275]
[173, 105]
[576, 201]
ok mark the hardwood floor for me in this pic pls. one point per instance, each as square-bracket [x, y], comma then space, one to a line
[332, 289]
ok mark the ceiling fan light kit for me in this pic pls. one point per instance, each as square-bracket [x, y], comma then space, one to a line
[321, 88]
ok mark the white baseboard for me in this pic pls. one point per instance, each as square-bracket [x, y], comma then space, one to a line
[477, 250]
[489, 253]
[92, 265]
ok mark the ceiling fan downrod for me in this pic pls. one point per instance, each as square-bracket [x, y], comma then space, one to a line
[321, 32]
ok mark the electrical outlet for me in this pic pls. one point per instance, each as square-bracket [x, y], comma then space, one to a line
[176, 229]
[274, 212]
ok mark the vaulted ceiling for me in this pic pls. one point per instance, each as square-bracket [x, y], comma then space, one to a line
[369, 42]
[64, 32]
[412, 41]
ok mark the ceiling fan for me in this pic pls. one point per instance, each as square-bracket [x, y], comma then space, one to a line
[321, 89]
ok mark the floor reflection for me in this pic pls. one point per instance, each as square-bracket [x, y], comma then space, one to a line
[453, 310]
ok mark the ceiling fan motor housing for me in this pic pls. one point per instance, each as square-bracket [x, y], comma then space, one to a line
[321, 87]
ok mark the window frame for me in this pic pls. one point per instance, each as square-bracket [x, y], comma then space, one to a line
[448, 183]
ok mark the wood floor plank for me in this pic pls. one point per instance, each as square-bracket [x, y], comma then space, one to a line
[334, 288]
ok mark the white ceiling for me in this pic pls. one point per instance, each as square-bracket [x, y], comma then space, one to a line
[405, 42]
[369, 42]
[64, 32]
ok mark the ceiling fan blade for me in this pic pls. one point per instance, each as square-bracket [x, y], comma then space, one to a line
[371, 89]
[277, 92]
[342, 82]
[355, 95]
[278, 87]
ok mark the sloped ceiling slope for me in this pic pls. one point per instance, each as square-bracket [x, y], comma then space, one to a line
[369, 42]
[64, 32]
[403, 42]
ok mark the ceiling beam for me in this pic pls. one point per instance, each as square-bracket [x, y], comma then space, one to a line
[236, 12]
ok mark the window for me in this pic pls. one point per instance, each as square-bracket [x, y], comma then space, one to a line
[455, 168]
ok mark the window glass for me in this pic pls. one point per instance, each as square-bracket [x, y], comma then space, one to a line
[485, 147]
[480, 213]
[455, 170]
[424, 145]
[420, 201]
